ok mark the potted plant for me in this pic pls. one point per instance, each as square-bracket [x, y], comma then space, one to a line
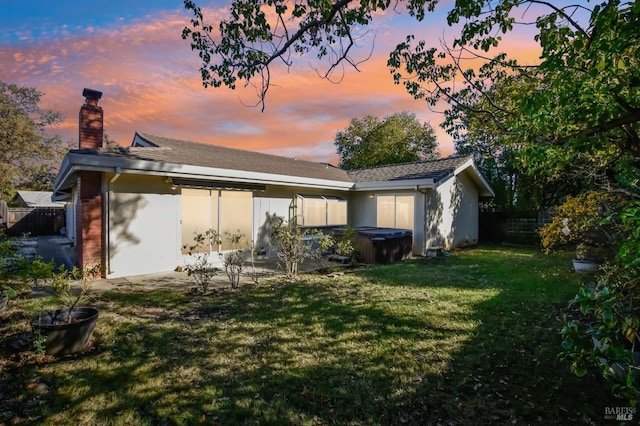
[585, 221]
[68, 329]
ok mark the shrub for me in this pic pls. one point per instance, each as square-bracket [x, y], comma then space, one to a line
[233, 261]
[200, 267]
[322, 245]
[607, 334]
[291, 248]
[587, 222]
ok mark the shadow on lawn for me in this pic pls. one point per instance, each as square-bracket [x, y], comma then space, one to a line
[394, 345]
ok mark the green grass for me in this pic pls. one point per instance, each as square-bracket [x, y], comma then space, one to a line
[470, 338]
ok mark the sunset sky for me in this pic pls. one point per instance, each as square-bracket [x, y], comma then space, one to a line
[133, 52]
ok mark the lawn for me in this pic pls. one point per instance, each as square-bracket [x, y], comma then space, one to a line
[469, 338]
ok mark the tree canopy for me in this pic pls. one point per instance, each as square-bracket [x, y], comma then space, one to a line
[584, 89]
[398, 138]
[27, 154]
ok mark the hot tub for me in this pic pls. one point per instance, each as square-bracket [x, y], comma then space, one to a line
[380, 245]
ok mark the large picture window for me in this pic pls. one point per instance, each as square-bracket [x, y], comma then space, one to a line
[320, 211]
[223, 211]
[395, 211]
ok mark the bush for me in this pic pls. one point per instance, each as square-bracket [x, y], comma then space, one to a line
[233, 261]
[200, 267]
[587, 222]
[607, 335]
[292, 250]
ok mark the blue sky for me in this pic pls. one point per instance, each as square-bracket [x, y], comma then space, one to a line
[133, 52]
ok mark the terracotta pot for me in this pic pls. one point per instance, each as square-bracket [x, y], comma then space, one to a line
[64, 337]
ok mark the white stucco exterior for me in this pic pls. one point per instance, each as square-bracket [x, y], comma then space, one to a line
[143, 226]
[143, 206]
[452, 214]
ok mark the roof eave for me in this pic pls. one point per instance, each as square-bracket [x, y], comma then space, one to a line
[78, 161]
[413, 184]
[484, 189]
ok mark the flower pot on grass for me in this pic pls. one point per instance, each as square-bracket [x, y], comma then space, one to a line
[67, 330]
[586, 266]
[588, 258]
[65, 333]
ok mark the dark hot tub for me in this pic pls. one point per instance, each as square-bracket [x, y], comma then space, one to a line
[380, 245]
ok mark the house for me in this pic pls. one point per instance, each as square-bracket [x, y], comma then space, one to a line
[34, 213]
[133, 209]
[35, 199]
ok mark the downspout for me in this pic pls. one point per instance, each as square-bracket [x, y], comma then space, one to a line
[107, 225]
[424, 222]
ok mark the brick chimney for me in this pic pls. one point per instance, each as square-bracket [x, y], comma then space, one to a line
[91, 121]
[90, 231]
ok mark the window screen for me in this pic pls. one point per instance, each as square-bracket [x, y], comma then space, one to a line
[321, 211]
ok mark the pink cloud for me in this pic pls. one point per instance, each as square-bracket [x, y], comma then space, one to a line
[151, 83]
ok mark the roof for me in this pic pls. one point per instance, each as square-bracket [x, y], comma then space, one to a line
[206, 155]
[177, 158]
[36, 199]
[433, 169]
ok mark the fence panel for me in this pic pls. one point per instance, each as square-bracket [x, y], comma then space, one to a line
[35, 221]
[503, 228]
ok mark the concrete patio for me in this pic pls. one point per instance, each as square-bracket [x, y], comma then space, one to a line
[60, 250]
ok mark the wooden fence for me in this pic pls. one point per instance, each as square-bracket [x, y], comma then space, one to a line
[502, 228]
[35, 221]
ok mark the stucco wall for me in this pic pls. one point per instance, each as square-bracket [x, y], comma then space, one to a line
[144, 221]
[452, 217]
[465, 221]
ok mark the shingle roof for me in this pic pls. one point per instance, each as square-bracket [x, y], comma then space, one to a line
[176, 151]
[169, 151]
[435, 169]
[36, 198]
[199, 154]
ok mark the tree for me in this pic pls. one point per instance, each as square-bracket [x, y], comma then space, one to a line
[585, 86]
[518, 188]
[398, 138]
[27, 154]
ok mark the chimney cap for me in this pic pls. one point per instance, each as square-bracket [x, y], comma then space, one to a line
[92, 94]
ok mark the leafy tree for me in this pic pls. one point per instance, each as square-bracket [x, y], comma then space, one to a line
[497, 155]
[27, 154]
[581, 100]
[398, 138]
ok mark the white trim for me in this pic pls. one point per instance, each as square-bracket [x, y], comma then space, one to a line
[479, 179]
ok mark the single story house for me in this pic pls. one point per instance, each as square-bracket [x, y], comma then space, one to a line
[35, 199]
[133, 209]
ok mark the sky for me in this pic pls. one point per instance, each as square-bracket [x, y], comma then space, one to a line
[133, 52]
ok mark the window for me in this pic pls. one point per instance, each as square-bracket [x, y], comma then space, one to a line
[236, 216]
[320, 211]
[395, 211]
[222, 211]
